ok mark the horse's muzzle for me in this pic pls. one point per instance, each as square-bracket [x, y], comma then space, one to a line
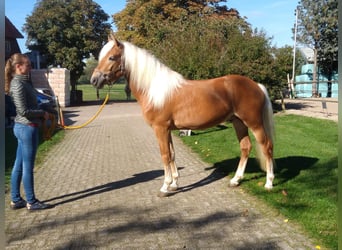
[98, 79]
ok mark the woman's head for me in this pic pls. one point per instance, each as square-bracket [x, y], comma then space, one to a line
[17, 64]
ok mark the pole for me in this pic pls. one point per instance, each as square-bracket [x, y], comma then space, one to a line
[294, 57]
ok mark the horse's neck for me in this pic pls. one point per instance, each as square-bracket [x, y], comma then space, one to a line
[139, 96]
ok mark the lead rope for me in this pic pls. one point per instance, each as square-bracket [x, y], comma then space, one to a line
[91, 119]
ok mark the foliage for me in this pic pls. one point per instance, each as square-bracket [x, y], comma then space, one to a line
[283, 58]
[67, 32]
[142, 21]
[318, 28]
[90, 65]
[305, 185]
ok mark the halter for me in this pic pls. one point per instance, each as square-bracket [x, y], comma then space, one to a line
[121, 66]
[121, 69]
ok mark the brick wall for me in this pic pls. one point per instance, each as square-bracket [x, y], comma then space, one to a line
[57, 79]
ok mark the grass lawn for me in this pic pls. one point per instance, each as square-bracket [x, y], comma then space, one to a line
[116, 92]
[305, 185]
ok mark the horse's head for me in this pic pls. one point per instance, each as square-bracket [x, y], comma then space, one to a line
[111, 66]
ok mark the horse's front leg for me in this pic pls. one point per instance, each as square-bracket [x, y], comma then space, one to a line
[163, 136]
[174, 170]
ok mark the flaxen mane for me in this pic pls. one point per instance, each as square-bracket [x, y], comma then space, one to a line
[150, 75]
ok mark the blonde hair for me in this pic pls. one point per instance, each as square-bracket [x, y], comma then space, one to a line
[15, 59]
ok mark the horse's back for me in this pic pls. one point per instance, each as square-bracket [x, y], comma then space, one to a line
[233, 89]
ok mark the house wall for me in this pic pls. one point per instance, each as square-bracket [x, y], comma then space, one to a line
[57, 79]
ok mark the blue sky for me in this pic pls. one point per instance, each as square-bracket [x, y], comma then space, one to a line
[275, 17]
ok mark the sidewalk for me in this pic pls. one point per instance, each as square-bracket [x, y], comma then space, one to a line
[104, 181]
[323, 108]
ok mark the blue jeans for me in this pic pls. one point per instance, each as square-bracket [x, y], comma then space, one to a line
[28, 139]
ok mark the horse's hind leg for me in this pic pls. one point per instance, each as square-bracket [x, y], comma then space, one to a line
[265, 153]
[245, 148]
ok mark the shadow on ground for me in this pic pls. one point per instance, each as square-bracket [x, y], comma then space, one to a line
[137, 178]
[143, 226]
[286, 168]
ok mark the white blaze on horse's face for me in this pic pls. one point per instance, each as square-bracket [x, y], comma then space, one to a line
[109, 68]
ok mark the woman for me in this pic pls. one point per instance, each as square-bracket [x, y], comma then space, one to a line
[26, 130]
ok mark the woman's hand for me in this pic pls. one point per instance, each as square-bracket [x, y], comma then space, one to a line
[46, 116]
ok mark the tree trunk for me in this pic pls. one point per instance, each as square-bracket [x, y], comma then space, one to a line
[76, 97]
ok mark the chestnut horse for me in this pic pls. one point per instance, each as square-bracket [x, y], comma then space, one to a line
[169, 102]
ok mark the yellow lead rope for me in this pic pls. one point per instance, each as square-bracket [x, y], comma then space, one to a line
[91, 119]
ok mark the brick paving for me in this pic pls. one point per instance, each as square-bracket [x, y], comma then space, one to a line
[104, 181]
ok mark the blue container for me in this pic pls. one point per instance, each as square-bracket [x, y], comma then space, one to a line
[303, 89]
[322, 78]
[307, 69]
[298, 78]
[334, 90]
[303, 79]
[322, 89]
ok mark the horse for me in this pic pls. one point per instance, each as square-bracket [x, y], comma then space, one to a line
[128, 92]
[170, 102]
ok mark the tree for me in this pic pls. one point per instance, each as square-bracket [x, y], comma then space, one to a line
[143, 22]
[67, 32]
[202, 48]
[283, 58]
[90, 65]
[317, 28]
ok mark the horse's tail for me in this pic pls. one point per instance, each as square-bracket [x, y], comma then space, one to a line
[268, 124]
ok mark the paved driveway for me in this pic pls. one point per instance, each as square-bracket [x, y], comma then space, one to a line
[104, 181]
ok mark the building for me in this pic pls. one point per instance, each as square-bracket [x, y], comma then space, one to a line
[11, 36]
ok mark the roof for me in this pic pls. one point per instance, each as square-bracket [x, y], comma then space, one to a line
[11, 31]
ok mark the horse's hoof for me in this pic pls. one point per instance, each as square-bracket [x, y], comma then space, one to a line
[234, 184]
[163, 194]
[268, 187]
[172, 189]
[166, 194]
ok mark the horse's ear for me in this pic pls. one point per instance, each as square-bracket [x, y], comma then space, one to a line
[111, 37]
[117, 42]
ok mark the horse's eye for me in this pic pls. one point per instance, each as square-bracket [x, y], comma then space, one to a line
[113, 58]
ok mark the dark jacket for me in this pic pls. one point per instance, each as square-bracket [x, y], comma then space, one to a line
[25, 100]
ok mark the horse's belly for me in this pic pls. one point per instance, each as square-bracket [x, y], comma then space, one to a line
[201, 105]
[194, 118]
